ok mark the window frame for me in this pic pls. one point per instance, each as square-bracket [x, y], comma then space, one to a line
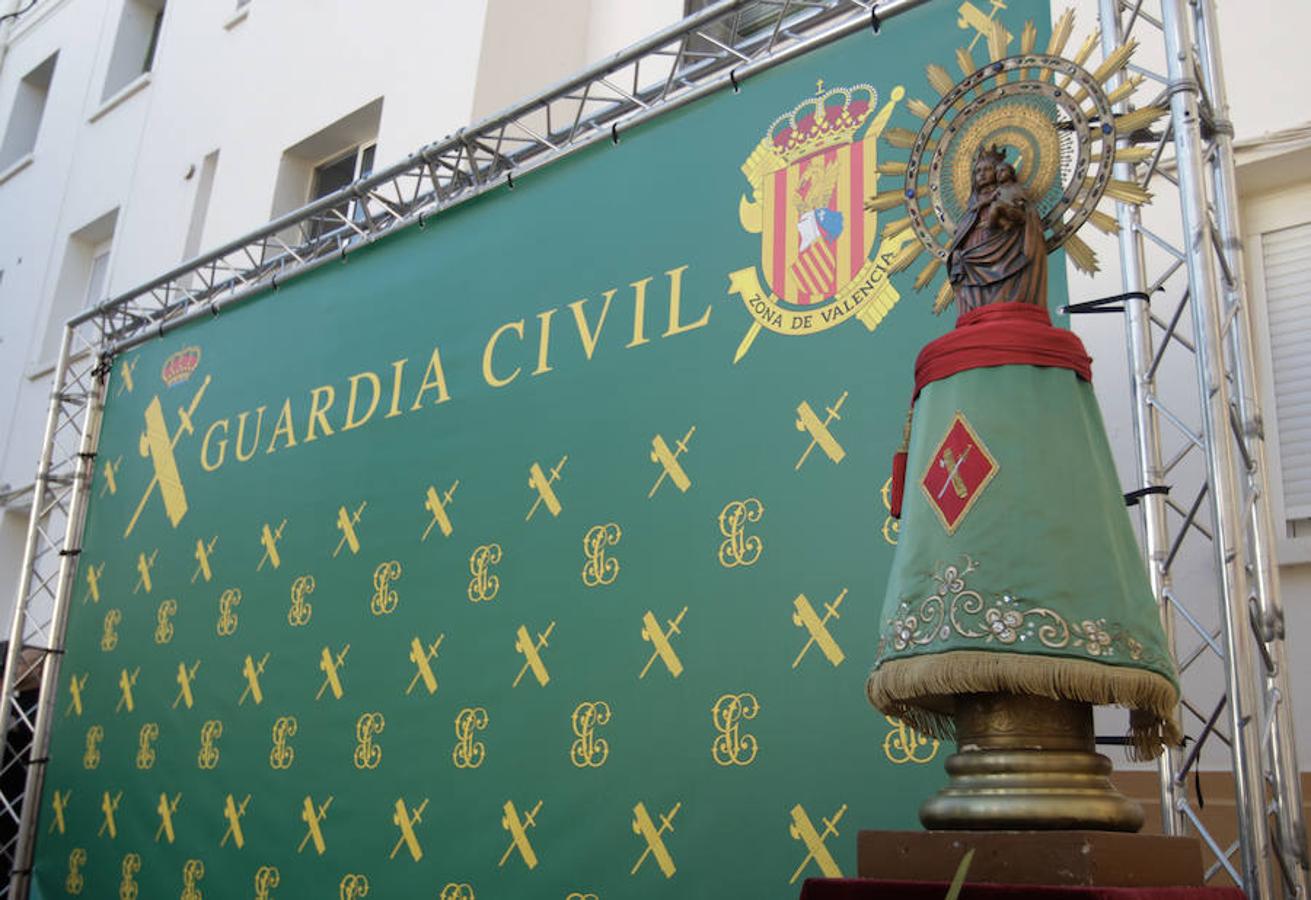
[1284, 207]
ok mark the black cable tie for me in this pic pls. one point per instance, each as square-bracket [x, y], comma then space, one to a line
[70, 552]
[509, 180]
[874, 18]
[1114, 740]
[423, 221]
[27, 871]
[214, 308]
[161, 330]
[39, 761]
[732, 77]
[1103, 304]
[88, 454]
[1132, 497]
[614, 133]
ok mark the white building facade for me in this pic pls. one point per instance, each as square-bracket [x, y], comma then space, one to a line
[137, 134]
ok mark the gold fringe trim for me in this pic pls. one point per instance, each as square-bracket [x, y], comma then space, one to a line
[918, 691]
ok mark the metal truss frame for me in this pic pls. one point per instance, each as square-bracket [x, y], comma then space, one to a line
[1220, 461]
[719, 48]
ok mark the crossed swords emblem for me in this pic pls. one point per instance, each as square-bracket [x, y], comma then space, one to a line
[157, 445]
[203, 552]
[532, 657]
[330, 665]
[313, 815]
[655, 842]
[144, 565]
[166, 808]
[186, 674]
[541, 482]
[253, 670]
[659, 639]
[76, 686]
[109, 806]
[110, 471]
[421, 656]
[127, 681]
[93, 576]
[405, 819]
[233, 813]
[59, 802]
[518, 829]
[669, 465]
[802, 829]
[819, 432]
[346, 522]
[437, 505]
[269, 538]
[805, 617]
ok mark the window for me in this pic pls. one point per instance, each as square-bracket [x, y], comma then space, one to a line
[1278, 245]
[325, 162]
[83, 279]
[136, 44]
[95, 282]
[25, 117]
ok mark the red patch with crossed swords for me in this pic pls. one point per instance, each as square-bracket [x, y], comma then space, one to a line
[958, 472]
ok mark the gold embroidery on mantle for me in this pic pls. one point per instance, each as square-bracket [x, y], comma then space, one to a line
[955, 611]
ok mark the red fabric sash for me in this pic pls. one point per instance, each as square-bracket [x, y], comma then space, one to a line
[1000, 334]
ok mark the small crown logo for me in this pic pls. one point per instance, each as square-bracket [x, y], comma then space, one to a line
[179, 366]
[830, 117]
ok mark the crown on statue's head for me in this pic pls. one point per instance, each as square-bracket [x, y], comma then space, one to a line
[180, 365]
[991, 154]
[830, 117]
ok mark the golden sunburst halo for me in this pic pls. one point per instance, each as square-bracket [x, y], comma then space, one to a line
[1054, 117]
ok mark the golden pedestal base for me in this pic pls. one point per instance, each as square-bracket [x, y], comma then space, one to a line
[1027, 763]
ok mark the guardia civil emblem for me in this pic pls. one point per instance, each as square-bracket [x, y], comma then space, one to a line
[808, 177]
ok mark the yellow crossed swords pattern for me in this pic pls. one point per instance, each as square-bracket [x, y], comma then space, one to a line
[805, 618]
[233, 813]
[204, 550]
[93, 576]
[110, 472]
[819, 432]
[669, 462]
[166, 808]
[126, 681]
[144, 566]
[659, 639]
[518, 828]
[346, 522]
[157, 445]
[405, 818]
[437, 506]
[312, 815]
[531, 651]
[268, 538]
[331, 664]
[422, 655]
[542, 483]
[802, 829]
[654, 837]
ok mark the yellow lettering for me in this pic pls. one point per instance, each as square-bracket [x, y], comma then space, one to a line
[488, 375]
[398, 368]
[351, 421]
[675, 299]
[319, 411]
[222, 447]
[639, 313]
[585, 333]
[243, 455]
[285, 426]
[434, 377]
[543, 342]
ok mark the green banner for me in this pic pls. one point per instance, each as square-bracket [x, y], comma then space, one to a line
[534, 553]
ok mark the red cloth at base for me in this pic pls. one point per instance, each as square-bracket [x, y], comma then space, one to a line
[881, 889]
[1000, 334]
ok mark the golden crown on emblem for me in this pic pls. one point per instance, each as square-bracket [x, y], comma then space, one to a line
[830, 117]
[180, 365]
